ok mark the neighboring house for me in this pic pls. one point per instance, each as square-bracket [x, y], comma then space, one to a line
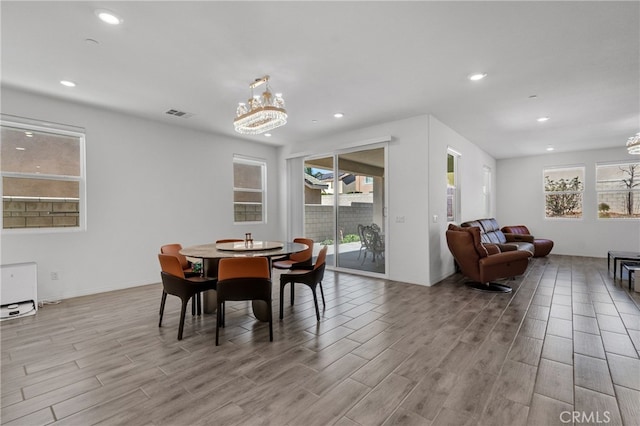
[313, 189]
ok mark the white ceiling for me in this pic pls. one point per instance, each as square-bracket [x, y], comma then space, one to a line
[373, 61]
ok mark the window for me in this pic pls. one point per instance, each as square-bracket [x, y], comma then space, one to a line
[249, 190]
[453, 191]
[43, 176]
[563, 190]
[368, 180]
[618, 189]
[486, 190]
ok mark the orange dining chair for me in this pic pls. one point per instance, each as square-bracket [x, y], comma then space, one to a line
[295, 260]
[174, 249]
[311, 277]
[174, 282]
[243, 278]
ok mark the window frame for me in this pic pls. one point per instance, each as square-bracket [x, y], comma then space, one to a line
[26, 124]
[598, 166]
[262, 163]
[581, 192]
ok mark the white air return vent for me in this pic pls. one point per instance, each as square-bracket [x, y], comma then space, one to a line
[179, 113]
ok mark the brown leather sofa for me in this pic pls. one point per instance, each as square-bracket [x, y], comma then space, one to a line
[542, 246]
[476, 262]
[490, 233]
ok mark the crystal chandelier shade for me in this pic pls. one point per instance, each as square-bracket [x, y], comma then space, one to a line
[261, 113]
[633, 144]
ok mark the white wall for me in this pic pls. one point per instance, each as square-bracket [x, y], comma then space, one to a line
[521, 201]
[148, 184]
[470, 174]
[408, 166]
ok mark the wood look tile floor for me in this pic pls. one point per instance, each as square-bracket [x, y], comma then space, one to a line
[561, 349]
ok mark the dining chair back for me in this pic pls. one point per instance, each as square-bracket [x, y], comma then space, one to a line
[294, 260]
[243, 278]
[174, 249]
[311, 277]
[175, 283]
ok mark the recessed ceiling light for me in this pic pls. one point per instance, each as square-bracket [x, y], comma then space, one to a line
[268, 135]
[314, 121]
[550, 148]
[477, 76]
[67, 83]
[543, 119]
[108, 17]
[19, 148]
[28, 134]
[338, 115]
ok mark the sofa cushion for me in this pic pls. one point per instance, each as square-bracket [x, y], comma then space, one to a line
[490, 231]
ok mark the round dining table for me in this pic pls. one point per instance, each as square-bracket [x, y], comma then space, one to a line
[210, 254]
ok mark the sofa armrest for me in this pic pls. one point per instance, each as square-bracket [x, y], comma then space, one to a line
[492, 249]
[507, 247]
[519, 237]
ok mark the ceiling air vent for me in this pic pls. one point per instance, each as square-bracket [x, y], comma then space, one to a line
[178, 113]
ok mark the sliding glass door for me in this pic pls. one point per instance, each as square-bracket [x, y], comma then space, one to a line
[344, 208]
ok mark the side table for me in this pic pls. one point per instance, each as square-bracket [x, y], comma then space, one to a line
[631, 268]
[620, 256]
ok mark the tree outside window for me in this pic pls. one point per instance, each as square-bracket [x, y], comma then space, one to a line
[618, 188]
[564, 188]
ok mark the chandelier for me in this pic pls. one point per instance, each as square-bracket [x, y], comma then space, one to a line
[633, 144]
[261, 113]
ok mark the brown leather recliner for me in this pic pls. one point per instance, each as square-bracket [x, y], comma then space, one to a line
[481, 267]
[542, 246]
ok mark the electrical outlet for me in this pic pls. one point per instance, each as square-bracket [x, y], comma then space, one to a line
[54, 275]
[399, 219]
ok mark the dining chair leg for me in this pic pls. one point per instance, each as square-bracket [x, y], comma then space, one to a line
[282, 284]
[218, 319]
[322, 293]
[269, 308]
[162, 302]
[183, 312]
[315, 302]
[193, 304]
[292, 292]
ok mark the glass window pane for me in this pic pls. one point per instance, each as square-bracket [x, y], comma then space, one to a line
[40, 188]
[247, 197]
[38, 152]
[565, 205]
[624, 204]
[247, 176]
[617, 176]
[565, 179]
